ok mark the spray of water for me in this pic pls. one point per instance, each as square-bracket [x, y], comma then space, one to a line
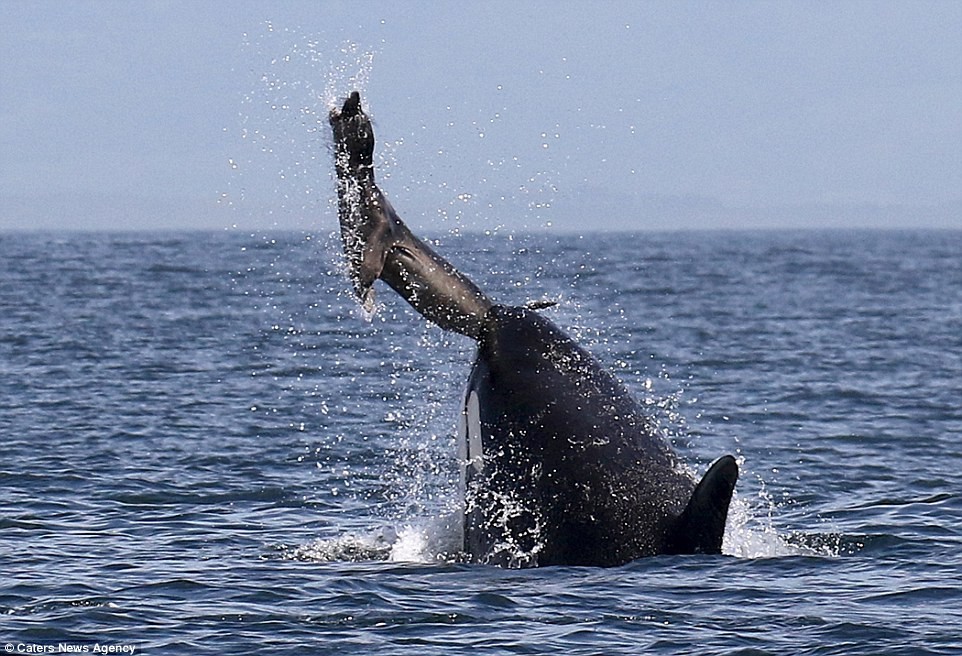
[281, 167]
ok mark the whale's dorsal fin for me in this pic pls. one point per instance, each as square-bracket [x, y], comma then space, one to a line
[701, 526]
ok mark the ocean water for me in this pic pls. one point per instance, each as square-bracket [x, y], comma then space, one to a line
[207, 447]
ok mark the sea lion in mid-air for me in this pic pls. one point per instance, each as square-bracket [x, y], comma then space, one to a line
[560, 465]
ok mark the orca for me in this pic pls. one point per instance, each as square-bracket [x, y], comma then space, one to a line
[559, 464]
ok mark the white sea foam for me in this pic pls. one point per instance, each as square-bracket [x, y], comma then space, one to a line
[347, 547]
[430, 539]
[751, 533]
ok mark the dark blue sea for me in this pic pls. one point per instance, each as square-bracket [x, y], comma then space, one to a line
[208, 448]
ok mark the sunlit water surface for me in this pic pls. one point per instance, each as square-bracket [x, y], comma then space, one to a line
[208, 449]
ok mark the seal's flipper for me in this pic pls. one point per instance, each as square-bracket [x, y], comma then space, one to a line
[701, 527]
[378, 244]
[366, 235]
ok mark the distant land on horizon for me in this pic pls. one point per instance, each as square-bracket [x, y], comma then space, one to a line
[562, 213]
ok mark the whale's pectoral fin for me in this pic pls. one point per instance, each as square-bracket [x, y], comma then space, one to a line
[377, 244]
[701, 526]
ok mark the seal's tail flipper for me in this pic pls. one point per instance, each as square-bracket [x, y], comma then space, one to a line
[378, 244]
[701, 526]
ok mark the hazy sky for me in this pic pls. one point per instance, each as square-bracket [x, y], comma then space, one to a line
[519, 115]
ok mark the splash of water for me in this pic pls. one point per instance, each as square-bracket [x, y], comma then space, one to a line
[283, 134]
[438, 539]
[430, 539]
[751, 532]
[348, 547]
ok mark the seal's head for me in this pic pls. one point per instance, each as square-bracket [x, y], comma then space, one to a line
[353, 138]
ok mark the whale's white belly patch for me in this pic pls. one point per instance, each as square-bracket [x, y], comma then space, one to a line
[470, 447]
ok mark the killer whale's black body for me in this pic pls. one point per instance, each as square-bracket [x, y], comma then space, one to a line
[561, 466]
